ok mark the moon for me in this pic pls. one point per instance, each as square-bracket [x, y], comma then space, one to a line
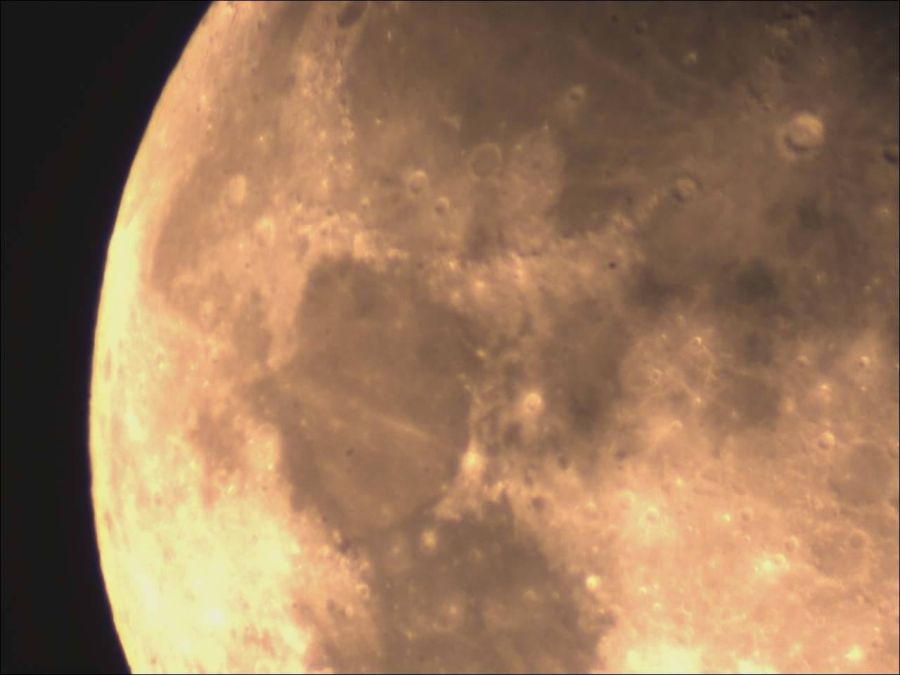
[471, 337]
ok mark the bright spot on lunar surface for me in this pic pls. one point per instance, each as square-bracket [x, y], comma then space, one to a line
[464, 337]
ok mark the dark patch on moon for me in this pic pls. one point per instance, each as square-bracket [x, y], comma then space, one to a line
[373, 410]
[836, 552]
[891, 152]
[756, 400]
[745, 401]
[751, 286]
[512, 435]
[382, 369]
[579, 370]
[249, 333]
[484, 238]
[481, 597]
[807, 221]
[351, 13]
[485, 600]
[650, 292]
[218, 438]
[863, 476]
[757, 348]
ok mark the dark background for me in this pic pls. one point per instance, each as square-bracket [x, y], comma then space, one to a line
[79, 81]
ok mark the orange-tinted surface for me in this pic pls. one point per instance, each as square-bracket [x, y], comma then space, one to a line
[459, 337]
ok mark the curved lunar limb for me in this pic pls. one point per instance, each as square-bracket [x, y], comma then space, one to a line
[493, 337]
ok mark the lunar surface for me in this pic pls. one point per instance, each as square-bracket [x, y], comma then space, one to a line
[453, 337]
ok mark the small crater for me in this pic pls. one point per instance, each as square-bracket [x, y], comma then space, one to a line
[351, 13]
[441, 205]
[826, 440]
[685, 189]
[569, 107]
[804, 133]
[417, 182]
[576, 94]
[485, 160]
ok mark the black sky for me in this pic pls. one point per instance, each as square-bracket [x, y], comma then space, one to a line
[79, 81]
